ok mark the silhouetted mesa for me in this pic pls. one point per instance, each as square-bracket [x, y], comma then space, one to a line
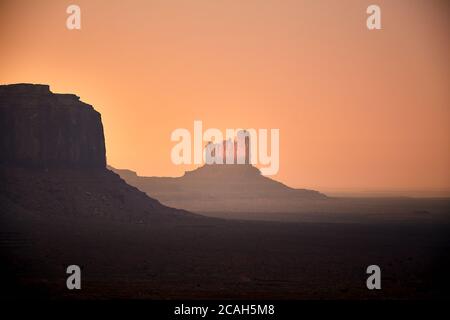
[237, 188]
[41, 128]
[52, 160]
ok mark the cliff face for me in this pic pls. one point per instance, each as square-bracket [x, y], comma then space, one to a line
[41, 129]
[52, 161]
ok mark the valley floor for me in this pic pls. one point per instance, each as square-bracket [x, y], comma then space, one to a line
[213, 258]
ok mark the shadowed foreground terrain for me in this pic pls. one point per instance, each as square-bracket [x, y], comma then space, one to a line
[211, 258]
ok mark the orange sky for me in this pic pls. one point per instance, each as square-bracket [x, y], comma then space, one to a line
[358, 110]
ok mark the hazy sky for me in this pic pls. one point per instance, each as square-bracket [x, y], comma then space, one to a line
[357, 110]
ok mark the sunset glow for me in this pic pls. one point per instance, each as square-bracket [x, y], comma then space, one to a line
[359, 111]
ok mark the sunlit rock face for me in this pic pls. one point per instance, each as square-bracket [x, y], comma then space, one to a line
[43, 129]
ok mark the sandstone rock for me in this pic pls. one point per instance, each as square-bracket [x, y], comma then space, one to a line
[223, 187]
[43, 129]
[52, 161]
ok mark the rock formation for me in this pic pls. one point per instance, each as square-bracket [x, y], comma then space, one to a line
[233, 187]
[43, 129]
[52, 161]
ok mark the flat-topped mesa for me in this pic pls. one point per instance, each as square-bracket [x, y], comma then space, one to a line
[36, 95]
[20, 89]
[42, 129]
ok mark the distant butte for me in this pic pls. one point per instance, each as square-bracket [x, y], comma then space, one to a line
[223, 187]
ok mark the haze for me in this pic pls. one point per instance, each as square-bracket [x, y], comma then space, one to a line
[359, 111]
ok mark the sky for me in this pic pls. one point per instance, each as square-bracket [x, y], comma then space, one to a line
[359, 111]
